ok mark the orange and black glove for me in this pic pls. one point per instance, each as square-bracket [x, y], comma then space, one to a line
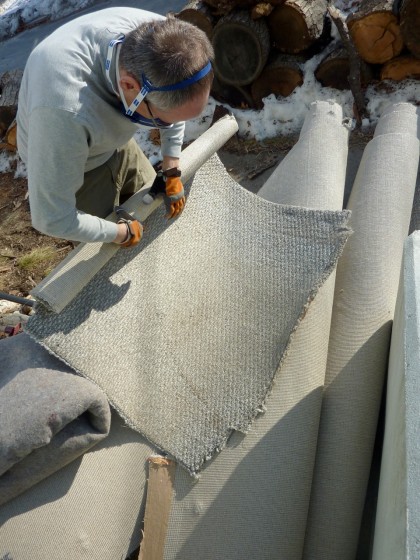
[134, 227]
[170, 185]
[174, 191]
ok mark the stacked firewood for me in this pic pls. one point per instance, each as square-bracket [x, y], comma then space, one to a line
[9, 91]
[260, 47]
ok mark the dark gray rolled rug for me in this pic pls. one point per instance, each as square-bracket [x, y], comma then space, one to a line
[49, 415]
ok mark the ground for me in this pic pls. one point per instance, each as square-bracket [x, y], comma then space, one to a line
[26, 256]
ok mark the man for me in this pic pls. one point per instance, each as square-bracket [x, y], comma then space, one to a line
[85, 90]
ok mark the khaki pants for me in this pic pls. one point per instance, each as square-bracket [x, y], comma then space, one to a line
[126, 171]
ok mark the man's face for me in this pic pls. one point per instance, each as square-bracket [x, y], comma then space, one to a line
[189, 110]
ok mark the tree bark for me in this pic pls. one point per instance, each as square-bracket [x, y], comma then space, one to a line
[281, 77]
[355, 79]
[241, 47]
[410, 25]
[297, 24]
[263, 9]
[375, 31]
[401, 68]
[9, 90]
[198, 13]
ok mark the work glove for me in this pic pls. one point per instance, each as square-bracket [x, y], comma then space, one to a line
[134, 227]
[170, 185]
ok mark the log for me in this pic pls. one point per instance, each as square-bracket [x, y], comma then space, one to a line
[235, 96]
[198, 13]
[263, 9]
[334, 70]
[223, 7]
[401, 68]
[9, 91]
[241, 46]
[281, 77]
[410, 25]
[9, 141]
[297, 24]
[375, 31]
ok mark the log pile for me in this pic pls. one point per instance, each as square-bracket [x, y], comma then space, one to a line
[260, 47]
[9, 91]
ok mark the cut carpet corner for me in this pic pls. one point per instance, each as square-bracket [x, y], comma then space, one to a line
[185, 332]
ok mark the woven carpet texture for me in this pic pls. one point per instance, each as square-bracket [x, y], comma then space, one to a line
[194, 322]
[366, 289]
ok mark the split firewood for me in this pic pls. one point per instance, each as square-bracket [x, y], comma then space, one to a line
[375, 31]
[401, 68]
[410, 25]
[198, 13]
[9, 141]
[263, 9]
[241, 46]
[281, 76]
[9, 92]
[334, 70]
[297, 24]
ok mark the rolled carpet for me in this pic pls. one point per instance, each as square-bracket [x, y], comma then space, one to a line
[49, 415]
[364, 303]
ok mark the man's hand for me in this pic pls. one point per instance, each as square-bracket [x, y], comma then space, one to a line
[134, 232]
[174, 190]
[130, 230]
[170, 185]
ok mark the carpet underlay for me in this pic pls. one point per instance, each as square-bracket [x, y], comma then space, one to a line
[184, 333]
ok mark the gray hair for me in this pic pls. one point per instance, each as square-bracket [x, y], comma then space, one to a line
[166, 52]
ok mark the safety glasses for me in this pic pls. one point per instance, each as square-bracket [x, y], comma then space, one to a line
[148, 87]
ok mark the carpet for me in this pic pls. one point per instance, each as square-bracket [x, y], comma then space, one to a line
[185, 332]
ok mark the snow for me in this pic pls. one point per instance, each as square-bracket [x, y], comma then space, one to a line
[279, 116]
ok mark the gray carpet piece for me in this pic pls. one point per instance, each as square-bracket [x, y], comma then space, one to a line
[185, 332]
[49, 415]
[92, 509]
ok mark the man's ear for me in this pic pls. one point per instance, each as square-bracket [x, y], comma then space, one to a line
[128, 83]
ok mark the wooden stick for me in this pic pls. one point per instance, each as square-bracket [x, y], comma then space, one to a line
[160, 489]
[354, 64]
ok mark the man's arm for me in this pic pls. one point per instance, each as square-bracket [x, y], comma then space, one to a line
[57, 153]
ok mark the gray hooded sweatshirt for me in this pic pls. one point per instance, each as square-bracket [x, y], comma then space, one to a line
[70, 120]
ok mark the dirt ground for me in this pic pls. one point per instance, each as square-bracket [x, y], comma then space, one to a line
[26, 256]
